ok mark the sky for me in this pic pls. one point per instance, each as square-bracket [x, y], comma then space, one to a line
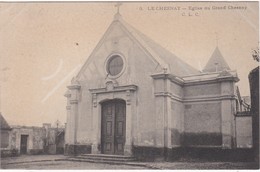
[43, 45]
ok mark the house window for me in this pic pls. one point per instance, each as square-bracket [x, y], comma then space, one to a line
[115, 65]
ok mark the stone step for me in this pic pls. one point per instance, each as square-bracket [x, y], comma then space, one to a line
[108, 162]
[128, 159]
[107, 155]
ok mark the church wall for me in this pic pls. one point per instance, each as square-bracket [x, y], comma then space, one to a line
[85, 116]
[176, 90]
[200, 105]
[202, 124]
[177, 114]
[177, 120]
[202, 90]
[145, 130]
[69, 124]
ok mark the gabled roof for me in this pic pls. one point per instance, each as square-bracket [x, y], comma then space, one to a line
[216, 62]
[175, 65]
[3, 124]
[165, 59]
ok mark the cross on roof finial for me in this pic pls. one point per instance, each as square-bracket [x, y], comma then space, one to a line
[118, 6]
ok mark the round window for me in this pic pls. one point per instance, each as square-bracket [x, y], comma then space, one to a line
[115, 65]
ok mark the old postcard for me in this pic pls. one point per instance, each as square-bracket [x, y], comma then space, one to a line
[129, 85]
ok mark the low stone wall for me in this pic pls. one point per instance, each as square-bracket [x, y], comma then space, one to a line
[8, 153]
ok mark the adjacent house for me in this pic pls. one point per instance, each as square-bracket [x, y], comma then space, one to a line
[5, 136]
[30, 139]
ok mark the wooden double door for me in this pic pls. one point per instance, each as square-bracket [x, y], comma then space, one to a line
[113, 127]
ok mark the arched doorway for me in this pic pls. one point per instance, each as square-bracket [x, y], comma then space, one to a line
[113, 126]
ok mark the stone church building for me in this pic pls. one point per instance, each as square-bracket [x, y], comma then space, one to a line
[134, 97]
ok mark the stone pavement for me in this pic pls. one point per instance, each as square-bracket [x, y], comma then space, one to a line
[60, 162]
[52, 162]
[31, 158]
[203, 165]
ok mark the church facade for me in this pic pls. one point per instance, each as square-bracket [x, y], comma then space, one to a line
[134, 97]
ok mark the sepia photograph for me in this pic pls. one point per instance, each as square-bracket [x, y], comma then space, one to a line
[129, 85]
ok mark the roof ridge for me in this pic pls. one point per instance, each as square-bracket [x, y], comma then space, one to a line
[142, 42]
[185, 67]
[3, 122]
